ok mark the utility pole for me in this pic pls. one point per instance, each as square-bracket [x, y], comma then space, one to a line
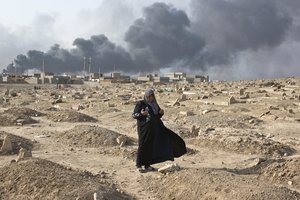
[43, 70]
[43, 65]
[14, 65]
[90, 64]
[84, 62]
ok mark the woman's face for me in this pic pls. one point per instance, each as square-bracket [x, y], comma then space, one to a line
[151, 98]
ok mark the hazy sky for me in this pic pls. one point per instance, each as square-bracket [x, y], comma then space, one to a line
[227, 39]
[38, 24]
[69, 19]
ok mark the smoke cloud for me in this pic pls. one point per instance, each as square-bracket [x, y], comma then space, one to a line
[162, 37]
[227, 39]
[104, 54]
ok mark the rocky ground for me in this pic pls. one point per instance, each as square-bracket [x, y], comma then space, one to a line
[80, 142]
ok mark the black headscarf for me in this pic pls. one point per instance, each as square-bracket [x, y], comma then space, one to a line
[153, 104]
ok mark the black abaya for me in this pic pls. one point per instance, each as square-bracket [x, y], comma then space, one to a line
[157, 143]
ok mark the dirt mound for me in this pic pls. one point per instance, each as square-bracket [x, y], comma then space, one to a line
[17, 142]
[42, 179]
[10, 119]
[222, 120]
[91, 137]
[23, 111]
[284, 171]
[278, 171]
[214, 184]
[242, 141]
[70, 116]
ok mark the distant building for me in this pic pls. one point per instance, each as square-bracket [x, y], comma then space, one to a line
[176, 76]
[160, 79]
[13, 79]
[183, 77]
[145, 78]
[115, 75]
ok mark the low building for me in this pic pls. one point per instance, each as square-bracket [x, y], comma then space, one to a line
[161, 79]
[145, 78]
[13, 79]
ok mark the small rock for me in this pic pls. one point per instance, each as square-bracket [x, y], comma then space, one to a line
[232, 100]
[242, 92]
[111, 105]
[291, 111]
[290, 182]
[121, 140]
[186, 113]
[7, 145]
[169, 168]
[251, 121]
[23, 154]
[77, 107]
[183, 97]
[257, 161]
[205, 112]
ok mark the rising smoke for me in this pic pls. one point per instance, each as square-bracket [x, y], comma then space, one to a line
[222, 35]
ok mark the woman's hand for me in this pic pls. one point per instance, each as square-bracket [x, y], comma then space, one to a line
[144, 113]
[161, 112]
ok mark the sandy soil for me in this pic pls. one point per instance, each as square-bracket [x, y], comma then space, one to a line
[246, 149]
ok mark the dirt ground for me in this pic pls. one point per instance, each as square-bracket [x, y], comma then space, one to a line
[243, 141]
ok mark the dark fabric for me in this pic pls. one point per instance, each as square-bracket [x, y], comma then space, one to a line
[157, 143]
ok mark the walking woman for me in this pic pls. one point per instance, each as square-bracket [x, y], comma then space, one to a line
[157, 143]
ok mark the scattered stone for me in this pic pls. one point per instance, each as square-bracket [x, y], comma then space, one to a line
[194, 130]
[20, 122]
[205, 112]
[251, 121]
[121, 140]
[57, 101]
[77, 107]
[291, 111]
[42, 136]
[169, 168]
[13, 94]
[242, 92]
[232, 100]
[182, 98]
[247, 96]
[111, 105]
[273, 108]
[6, 92]
[204, 97]
[265, 113]
[23, 154]
[257, 161]
[186, 113]
[7, 145]
[290, 182]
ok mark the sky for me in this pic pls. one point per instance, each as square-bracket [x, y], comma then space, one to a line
[226, 39]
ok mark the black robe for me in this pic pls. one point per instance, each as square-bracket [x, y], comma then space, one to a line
[157, 143]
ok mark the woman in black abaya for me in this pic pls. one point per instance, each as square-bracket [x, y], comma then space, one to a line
[157, 143]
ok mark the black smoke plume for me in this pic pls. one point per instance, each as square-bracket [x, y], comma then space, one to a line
[104, 55]
[214, 34]
[162, 38]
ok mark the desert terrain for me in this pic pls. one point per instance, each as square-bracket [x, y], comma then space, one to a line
[80, 141]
